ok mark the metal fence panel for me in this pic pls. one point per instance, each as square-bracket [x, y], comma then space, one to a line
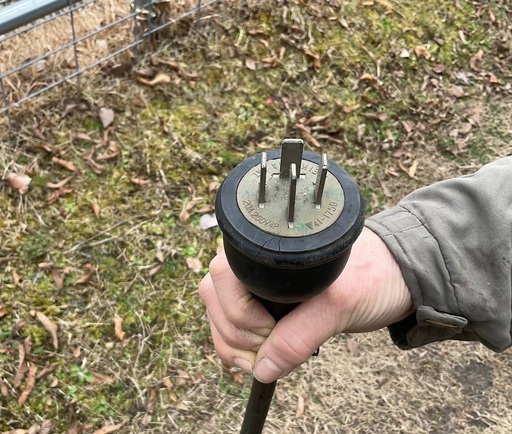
[44, 43]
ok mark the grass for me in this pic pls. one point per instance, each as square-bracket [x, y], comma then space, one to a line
[265, 72]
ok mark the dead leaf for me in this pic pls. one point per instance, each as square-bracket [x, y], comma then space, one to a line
[412, 169]
[194, 264]
[140, 182]
[305, 132]
[49, 326]
[236, 374]
[422, 51]
[29, 384]
[369, 78]
[3, 388]
[106, 116]
[184, 214]
[19, 181]
[46, 427]
[16, 431]
[58, 278]
[55, 194]
[439, 68]
[207, 221]
[352, 347]
[16, 279]
[153, 393]
[155, 269]
[96, 209]
[3, 311]
[177, 67]
[109, 428]
[109, 156]
[118, 327]
[379, 116]
[101, 378]
[456, 91]
[61, 183]
[476, 61]
[87, 277]
[96, 168]
[316, 119]
[66, 164]
[301, 406]
[22, 366]
[250, 64]
[160, 78]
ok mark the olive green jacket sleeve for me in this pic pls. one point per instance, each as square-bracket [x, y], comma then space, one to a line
[453, 243]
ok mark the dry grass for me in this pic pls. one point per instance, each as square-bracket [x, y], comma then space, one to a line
[257, 79]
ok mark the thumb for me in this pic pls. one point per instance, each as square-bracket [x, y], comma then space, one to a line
[293, 340]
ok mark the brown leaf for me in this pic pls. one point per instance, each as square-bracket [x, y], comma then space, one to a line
[250, 64]
[3, 388]
[369, 78]
[153, 393]
[49, 325]
[87, 277]
[109, 428]
[106, 116]
[194, 264]
[316, 119]
[159, 79]
[352, 347]
[184, 214]
[140, 182]
[96, 168]
[476, 61]
[155, 270]
[22, 366]
[16, 279]
[379, 116]
[306, 135]
[85, 137]
[118, 327]
[3, 311]
[61, 183]
[54, 196]
[301, 406]
[439, 68]
[96, 209]
[456, 91]
[66, 164]
[19, 181]
[58, 278]
[180, 69]
[46, 427]
[29, 384]
[101, 378]
[422, 51]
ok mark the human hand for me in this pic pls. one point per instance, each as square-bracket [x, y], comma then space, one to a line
[368, 295]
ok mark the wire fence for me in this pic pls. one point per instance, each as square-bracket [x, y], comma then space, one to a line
[44, 43]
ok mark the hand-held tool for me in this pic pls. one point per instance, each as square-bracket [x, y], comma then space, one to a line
[289, 218]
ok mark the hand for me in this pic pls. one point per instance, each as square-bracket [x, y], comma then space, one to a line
[368, 295]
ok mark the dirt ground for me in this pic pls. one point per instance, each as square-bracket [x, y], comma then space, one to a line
[105, 189]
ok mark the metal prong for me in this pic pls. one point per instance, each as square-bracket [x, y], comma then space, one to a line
[291, 194]
[291, 153]
[320, 182]
[263, 180]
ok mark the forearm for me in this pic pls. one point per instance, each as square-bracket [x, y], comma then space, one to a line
[452, 241]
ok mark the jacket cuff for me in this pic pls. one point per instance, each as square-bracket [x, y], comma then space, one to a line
[421, 262]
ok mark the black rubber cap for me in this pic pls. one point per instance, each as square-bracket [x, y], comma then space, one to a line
[287, 269]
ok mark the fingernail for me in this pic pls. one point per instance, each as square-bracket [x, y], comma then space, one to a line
[266, 371]
[243, 364]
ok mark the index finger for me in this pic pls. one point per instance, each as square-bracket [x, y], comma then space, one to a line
[240, 307]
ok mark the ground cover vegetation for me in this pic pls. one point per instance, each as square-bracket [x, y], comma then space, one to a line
[107, 196]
